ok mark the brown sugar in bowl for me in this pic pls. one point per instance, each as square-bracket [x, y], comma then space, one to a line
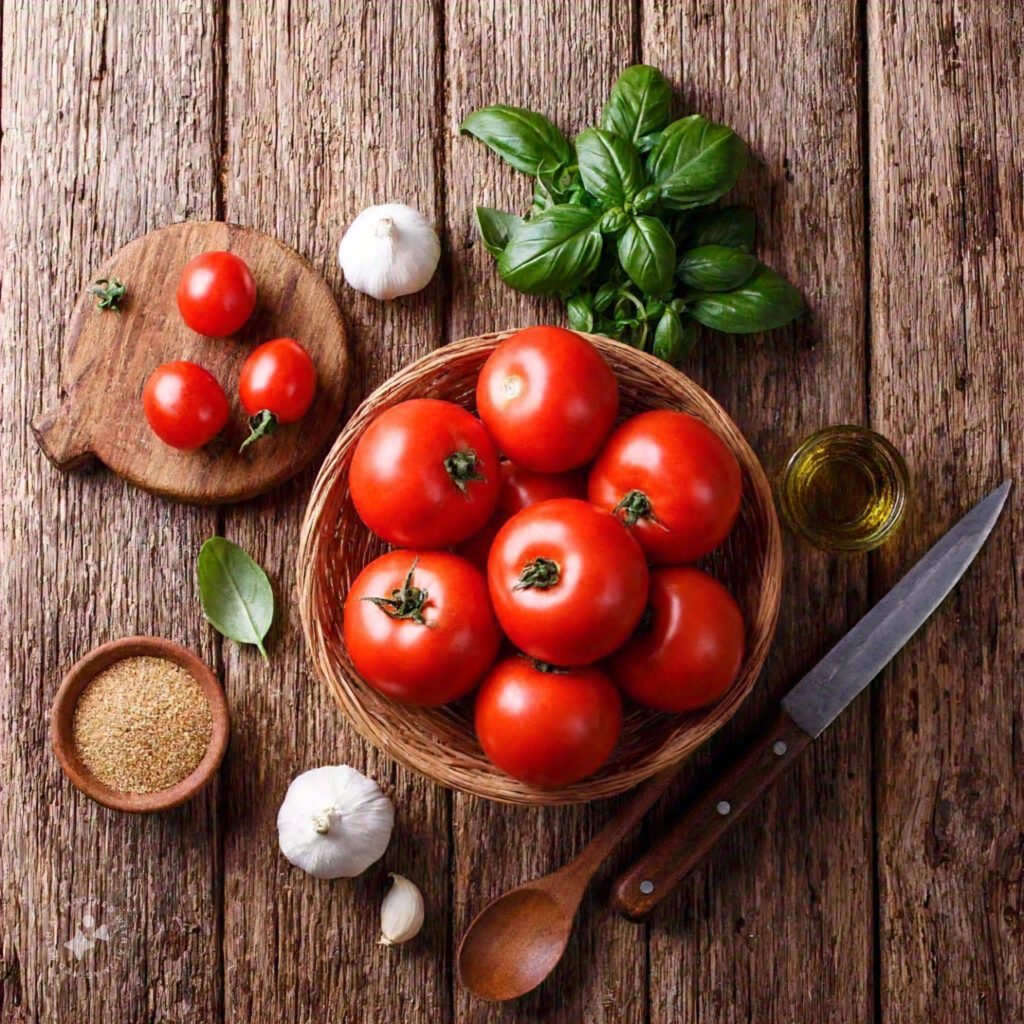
[83, 672]
[439, 742]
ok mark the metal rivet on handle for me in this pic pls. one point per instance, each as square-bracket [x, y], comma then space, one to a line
[723, 807]
[779, 748]
[647, 887]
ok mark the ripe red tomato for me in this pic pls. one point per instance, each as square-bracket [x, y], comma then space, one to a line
[568, 582]
[673, 481]
[520, 488]
[276, 385]
[216, 293]
[184, 404]
[547, 728]
[548, 399]
[419, 626]
[689, 647]
[425, 474]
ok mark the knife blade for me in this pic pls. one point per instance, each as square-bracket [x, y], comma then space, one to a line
[808, 709]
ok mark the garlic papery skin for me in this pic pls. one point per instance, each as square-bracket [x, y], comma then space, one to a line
[334, 822]
[401, 913]
[389, 250]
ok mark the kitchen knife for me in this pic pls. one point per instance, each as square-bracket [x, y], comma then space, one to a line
[808, 709]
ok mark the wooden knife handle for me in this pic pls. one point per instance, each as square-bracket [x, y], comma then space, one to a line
[643, 886]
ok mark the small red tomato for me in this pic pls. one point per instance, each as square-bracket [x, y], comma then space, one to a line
[276, 385]
[425, 474]
[568, 582]
[547, 727]
[548, 399]
[689, 647]
[216, 293]
[521, 488]
[674, 483]
[184, 405]
[419, 626]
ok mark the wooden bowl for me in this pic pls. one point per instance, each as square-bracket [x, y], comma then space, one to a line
[439, 742]
[84, 671]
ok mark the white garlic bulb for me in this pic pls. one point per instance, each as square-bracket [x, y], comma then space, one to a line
[401, 913]
[389, 250]
[334, 822]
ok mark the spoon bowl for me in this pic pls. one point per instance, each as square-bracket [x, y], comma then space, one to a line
[514, 943]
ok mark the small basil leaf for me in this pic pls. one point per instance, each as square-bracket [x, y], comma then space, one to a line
[605, 296]
[695, 162]
[496, 228]
[764, 302]
[639, 103]
[669, 338]
[613, 220]
[520, 137]
[734, 226]
[609, 166]
[555, 251]
[715, 268]
[648, 254]
[235, 593]
[581, 312]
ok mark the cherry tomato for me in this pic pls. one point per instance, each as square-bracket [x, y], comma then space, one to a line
[520, 488]
[568, 582]
[425, 474]
[547, 727]
[216, 293]
[672, 481]
[548, 399]
[689, 647]
[419, 626]
[184, 405]
[276, 385]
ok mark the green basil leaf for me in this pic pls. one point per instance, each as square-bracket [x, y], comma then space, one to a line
[235, 593]
[553, 252]
[520, 137]
[764, 302]
[669, 338]
[581, 312]
[734, 226]
[639, 103]
[715, 268]
[695, 162]
[496, 228]
[609, 166]
[604, 296]
[648, 254]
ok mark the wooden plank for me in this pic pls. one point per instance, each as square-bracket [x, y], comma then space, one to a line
[778, 925]
[559, 59]
[110, 125]
[331, 108]
[947, 383]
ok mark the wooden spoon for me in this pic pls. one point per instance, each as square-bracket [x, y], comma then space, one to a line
[515, 942]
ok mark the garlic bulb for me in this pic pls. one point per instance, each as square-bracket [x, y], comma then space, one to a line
[389, 250]
[334, 822]
[401, 913]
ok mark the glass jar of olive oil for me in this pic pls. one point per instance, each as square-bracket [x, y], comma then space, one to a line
[845, 489]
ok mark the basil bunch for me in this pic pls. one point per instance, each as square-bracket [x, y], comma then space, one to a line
[615, 226]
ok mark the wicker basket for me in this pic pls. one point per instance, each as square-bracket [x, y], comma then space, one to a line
[439, 742]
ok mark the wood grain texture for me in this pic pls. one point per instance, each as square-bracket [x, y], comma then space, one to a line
[769, 928]
[947, 379]
[110, 124]
[513, 52]
[110, 355]
[331, 108]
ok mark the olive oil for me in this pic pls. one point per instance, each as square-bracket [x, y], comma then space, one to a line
[845, 489]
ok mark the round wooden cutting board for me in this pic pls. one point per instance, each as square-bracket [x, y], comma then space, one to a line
[111, 354]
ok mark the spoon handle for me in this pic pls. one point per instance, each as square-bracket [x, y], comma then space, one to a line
[643, 799]
[643, 886]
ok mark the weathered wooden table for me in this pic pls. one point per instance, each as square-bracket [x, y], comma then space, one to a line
[882, 881]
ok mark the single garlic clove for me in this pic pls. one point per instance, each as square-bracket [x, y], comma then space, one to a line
[401, 913]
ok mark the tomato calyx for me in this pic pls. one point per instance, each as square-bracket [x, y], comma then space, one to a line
[463, 468]
[634, 506]
[405, 602]
[109, 292]
[548, 669]
[540, 573]
[263, 424]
